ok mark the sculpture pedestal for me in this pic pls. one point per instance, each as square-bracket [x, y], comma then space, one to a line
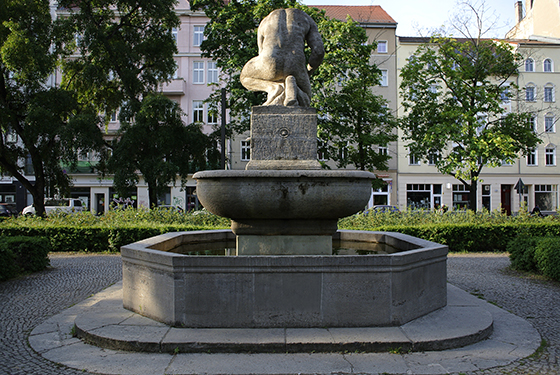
[283, 138]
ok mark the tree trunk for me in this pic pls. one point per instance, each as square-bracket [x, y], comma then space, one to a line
[473, 195]
[152, 194]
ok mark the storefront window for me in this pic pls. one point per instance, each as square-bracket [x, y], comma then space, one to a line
[418, 196]
[546, 197]
[460, 197]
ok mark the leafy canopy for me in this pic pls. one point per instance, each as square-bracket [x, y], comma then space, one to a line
[43, 126]
[457, 95]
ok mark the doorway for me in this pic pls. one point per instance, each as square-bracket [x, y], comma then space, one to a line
[506, 199]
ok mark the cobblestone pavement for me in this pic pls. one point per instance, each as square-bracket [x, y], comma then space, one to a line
[28, 301]
[534, 299]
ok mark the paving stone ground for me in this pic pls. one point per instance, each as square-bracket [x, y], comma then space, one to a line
[29, 301]
[26, 302]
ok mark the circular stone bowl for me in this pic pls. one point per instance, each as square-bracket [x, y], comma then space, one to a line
[284, 194]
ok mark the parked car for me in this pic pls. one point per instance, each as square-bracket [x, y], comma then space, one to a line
[7, 210]
[67, 205]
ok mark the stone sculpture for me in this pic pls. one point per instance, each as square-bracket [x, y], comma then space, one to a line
[281, 69]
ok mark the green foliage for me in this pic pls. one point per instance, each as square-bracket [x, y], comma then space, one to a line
[125, 50]
[547, 257]
[22, 255]
[89, 233]
[453, 92]
[462, 231]
[158, 147]
[353, 122]
[51, 125]
[522, 253]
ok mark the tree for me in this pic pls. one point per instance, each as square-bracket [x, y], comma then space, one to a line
[158, 146]
[353, 122]
[126, 50]
[453, 92]
[42, 124]
[348, 114]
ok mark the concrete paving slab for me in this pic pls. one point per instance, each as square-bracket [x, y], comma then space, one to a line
[265, 364]
[377, 363]
[104, 361]
[224, 340]
[513, 338]
[449, 327]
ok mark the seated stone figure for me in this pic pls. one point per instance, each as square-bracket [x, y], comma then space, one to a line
[280, 69]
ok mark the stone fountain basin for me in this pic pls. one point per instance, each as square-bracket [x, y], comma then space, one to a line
[284, 194]
[284, 291]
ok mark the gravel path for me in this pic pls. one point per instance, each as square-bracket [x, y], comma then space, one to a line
[27, 302]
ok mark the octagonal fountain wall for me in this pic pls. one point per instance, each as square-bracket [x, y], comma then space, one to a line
[284, 291]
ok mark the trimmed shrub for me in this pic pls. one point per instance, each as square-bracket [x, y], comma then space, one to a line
[547, 256]
[24, 254]
[8, 266]
[522, 253]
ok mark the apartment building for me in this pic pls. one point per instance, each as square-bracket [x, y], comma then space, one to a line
[422, 186]
[190, 86]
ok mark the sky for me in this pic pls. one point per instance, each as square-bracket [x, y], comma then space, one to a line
[418, 17]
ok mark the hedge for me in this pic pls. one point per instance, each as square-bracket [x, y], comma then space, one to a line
[91, 238]
[536, 254]
[21, 254]
[458, 237]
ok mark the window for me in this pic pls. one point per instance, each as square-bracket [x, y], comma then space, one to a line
[114, 117]
[486, 197]
[413, 160]
[533, 121]
[549, 124]
[547, 65]
[461, 197]
[383, 151]
[433, 157]
[198, 35]
[504, 95]
[549, 93]
[174, 34]
[550, 155]
[529, 65]
[546, 197]
[198, 111]
[530, 93]
[212, 72]
[382, 46]
[532, 158]
[384, 78]
[321, 151]
[212, 117]
[245, 150]
[198, 72]
[418, 195]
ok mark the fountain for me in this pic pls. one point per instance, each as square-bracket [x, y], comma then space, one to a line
[284, 210]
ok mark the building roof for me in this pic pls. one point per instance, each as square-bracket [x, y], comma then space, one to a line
[362, 14]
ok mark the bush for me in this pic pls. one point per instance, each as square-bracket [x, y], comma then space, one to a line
[23, 254]
[547, 257]
[522, 253]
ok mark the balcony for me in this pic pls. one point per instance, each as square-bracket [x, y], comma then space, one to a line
[175, 87]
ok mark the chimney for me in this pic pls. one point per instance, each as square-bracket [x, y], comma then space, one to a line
[519, 11]
[528, 5]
